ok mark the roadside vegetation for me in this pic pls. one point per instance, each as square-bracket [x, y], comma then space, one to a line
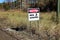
[47, 24]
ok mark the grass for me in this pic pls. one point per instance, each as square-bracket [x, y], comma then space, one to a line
[18, 18]
[47, 22]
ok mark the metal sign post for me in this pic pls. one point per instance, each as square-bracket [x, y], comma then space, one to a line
[33, 15]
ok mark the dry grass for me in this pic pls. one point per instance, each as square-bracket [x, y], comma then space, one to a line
[15, 18]
[47, 24]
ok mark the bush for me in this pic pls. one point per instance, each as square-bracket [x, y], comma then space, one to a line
[6, 6]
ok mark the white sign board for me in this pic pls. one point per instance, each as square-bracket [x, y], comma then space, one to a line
[33, 14]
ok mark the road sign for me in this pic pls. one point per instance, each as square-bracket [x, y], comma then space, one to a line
[33, 14]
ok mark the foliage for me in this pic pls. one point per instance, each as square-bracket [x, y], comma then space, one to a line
[23, 4]
[6, 6]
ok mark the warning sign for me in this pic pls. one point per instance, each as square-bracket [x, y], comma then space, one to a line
[33, 14]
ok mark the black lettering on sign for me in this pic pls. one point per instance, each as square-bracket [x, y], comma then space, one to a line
[33, 17]
[36, 14]
[31, 14]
